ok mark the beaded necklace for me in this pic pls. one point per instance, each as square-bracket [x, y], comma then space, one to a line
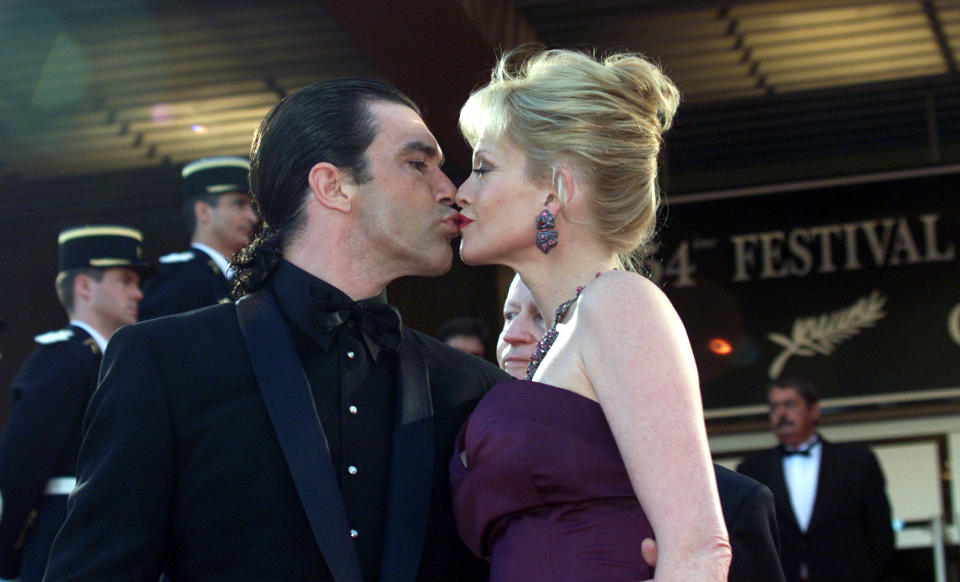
[544, 344]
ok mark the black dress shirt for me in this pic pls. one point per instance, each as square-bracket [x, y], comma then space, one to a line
[354, 395]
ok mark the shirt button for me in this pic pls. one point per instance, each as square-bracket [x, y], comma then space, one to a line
[353, 409]
[352, 470]
[351, 355]
[354, 534]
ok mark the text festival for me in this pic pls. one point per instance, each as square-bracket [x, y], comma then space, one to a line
[824, 249]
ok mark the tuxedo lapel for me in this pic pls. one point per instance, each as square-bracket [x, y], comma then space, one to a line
[411, 467]
[781, 494]
[293, 414]
[827, 484]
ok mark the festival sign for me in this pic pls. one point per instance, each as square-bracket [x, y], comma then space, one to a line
[853, 283]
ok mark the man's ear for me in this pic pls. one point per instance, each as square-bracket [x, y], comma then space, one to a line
[327, 186]
[82, 287]
[201, 210]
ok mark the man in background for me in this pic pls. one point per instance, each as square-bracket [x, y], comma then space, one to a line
[831, 503]
[748, 507]
[219, 215]
[99, 287]
[467, 334]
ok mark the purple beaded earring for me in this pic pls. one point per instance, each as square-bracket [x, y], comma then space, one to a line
[546, 236]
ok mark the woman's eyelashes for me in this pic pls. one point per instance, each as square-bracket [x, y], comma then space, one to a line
[481, 169]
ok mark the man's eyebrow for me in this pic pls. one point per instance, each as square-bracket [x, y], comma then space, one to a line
[425, 148]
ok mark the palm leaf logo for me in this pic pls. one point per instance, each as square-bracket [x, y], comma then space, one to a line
[953, 323]
[821, 334]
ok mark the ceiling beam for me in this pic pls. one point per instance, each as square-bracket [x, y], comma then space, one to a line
[944, 43]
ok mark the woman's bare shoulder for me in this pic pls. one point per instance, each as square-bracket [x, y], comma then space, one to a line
[619, 294]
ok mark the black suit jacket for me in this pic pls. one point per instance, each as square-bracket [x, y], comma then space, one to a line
[41, 440]
[184, 281]
[850, 536]
[750, 515]
[180, 469]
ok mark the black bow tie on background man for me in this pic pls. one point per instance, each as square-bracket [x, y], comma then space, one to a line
[804, 452]
[378, 321]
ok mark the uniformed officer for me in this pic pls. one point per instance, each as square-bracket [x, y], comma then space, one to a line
[220, 217]
[99, 286]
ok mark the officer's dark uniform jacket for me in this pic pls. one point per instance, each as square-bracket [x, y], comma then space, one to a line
[40, 443]
[184, 281]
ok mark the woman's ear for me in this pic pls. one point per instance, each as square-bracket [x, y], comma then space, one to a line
[327, 183]
[562, 190]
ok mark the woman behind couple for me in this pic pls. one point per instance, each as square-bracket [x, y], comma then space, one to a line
[547, 474]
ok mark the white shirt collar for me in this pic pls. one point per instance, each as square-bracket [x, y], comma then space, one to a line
[219, 259]
[101, 341]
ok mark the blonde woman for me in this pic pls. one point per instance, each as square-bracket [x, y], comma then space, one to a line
[561, 476]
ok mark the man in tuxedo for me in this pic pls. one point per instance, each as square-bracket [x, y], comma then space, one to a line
[831, 501]
[219, 215]
[748, 507]
[301, 433]
[98, 285]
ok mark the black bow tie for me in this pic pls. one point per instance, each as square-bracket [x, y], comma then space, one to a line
[379, 322]
[803, 452]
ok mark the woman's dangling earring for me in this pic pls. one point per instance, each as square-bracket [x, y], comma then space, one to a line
[546, 236]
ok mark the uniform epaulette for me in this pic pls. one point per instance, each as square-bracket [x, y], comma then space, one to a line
[177, 257]
[53, 337]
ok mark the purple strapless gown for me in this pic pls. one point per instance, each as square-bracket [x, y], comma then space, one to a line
[545, 496]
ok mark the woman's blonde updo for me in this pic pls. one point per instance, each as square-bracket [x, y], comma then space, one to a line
[602, 118]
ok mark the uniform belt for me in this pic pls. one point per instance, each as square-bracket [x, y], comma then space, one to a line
[61, 486]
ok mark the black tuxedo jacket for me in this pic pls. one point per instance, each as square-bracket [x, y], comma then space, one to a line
[184, 281]
[850, 536]
[181, 471]
[750, 515]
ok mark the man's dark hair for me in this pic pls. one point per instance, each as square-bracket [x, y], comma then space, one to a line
[329, 121]
[189, 216]
[466, 326]
[805, 388]
[64, 284]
